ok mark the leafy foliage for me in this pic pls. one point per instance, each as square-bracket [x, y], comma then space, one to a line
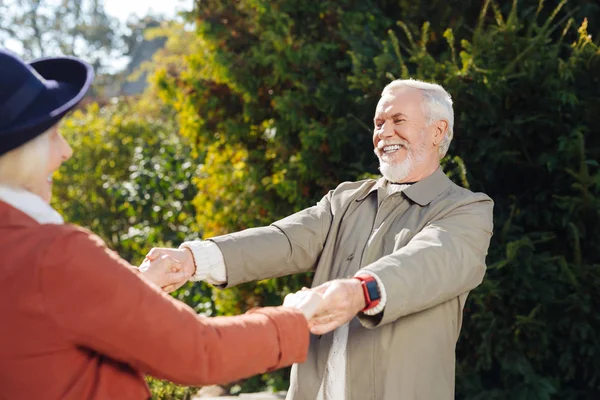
[130, 172]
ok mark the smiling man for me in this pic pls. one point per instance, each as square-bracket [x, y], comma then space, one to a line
[408, 132]
[413, 243]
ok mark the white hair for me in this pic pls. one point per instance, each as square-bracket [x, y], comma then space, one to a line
[437, 105]
[18, 167]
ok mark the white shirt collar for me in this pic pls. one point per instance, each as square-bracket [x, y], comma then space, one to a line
[30, 204]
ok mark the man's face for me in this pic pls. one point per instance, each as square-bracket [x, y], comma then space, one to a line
[403, 142]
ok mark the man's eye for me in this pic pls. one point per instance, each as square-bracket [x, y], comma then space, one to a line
[397, 121]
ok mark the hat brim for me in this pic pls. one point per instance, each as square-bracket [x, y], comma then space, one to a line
[67, 80]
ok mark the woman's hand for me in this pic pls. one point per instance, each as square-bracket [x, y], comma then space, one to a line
[164, 271]
[305, 300]
[185, 259]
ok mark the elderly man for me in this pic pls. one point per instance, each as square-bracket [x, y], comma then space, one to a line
[413, 242]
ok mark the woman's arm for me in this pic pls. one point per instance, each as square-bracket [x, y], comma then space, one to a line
[102, 303]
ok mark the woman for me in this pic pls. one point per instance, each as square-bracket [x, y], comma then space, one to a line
[78, 322]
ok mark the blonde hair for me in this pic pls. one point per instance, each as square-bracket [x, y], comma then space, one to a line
[437, 105]
[19, 166]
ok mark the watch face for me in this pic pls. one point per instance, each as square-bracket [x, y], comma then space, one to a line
[373, 291]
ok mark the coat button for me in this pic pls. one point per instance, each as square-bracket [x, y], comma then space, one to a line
[351, 256]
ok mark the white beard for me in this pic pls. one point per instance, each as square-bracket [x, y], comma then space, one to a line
[397, 172]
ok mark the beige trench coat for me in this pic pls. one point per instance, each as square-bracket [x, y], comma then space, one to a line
[427, 244]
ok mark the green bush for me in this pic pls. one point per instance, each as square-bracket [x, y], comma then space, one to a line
[129, 180]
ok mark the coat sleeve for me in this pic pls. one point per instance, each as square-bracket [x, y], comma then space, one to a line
[288, 246]
[100, 303]
[444, 260]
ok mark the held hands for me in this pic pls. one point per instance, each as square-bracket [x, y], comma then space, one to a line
[163, 271]
[330, 305]
[326, 307]
[168, 268]
[342, 300]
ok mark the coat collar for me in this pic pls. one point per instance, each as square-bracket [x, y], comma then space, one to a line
[379, 183]
[422, 192]
[30, 204]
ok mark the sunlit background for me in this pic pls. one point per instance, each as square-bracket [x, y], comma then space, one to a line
[211, 116]
[103, 32]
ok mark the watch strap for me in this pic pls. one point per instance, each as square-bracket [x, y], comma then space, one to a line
[370, 291]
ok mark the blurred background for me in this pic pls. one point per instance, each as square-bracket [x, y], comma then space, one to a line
[212, 116]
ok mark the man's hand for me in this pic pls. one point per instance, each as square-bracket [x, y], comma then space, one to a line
[342, 300]
[308, 301]
[164, 271]
[185, 259]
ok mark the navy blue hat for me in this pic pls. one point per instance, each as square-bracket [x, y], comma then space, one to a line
[35, 96]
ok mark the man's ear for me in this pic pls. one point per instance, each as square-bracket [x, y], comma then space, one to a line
[441, 129]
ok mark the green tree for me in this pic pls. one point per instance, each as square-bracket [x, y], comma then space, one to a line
[69, 27]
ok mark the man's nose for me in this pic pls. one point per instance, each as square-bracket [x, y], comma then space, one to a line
[387, 130]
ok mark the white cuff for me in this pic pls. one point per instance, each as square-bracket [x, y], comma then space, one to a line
[210, 265]
[383, 300]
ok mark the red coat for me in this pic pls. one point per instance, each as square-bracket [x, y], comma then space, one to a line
[78, 322]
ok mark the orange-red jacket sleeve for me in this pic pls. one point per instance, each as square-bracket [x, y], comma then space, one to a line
[101, 303]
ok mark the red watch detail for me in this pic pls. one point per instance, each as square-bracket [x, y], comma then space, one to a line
[370, 291]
